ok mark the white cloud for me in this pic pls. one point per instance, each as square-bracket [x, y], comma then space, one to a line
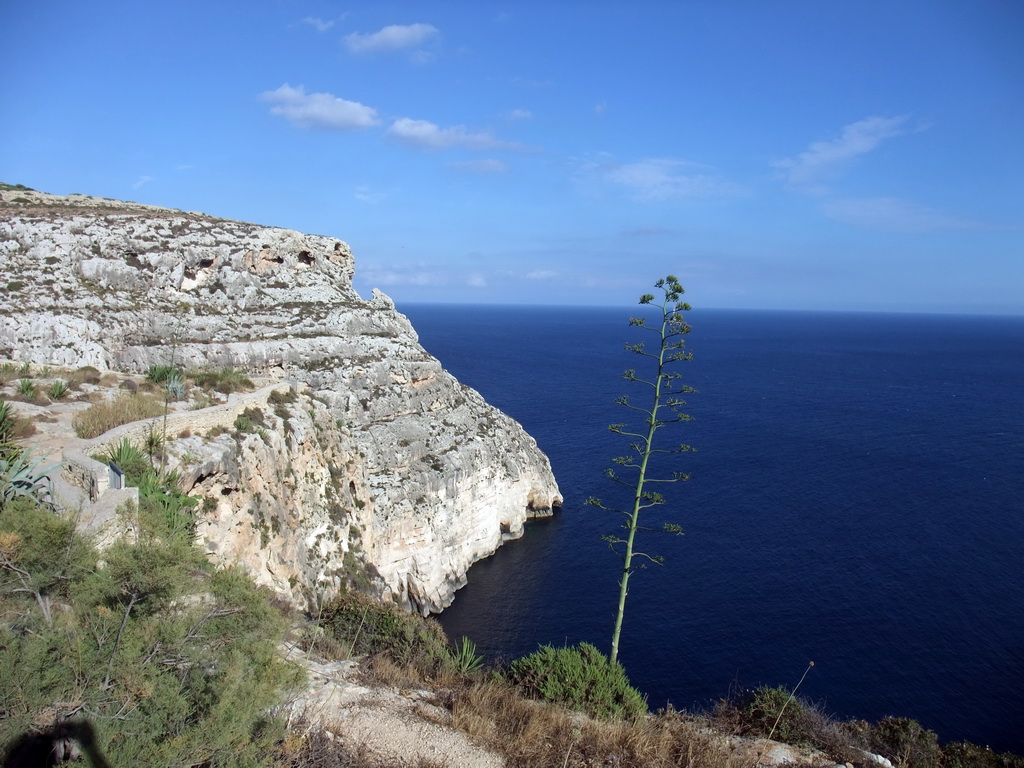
[427, 135]
[893, 214]
[319, 110]
[541, 274]
[142, 181]
[402, 274]
[600, 109]
[367, 196]
[476, 280]
[824, 159]
[520, 114]
[480, 166]
[391, 38]
[658, 179]
[318, 24]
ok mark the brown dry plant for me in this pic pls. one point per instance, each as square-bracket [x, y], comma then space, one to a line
[123, 409]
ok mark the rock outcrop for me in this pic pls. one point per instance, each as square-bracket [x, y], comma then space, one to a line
[370, 463]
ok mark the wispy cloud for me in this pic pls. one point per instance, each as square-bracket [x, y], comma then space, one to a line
[824, 159]
[395, 37]
[320, 25]
[476, 280]
[541, 274]
[319, 110]
[520, 114]
[366, 195]
[142, 181]
[402, 274]
[659, 179]
[893, 214]
[480, 166]
[427, 135]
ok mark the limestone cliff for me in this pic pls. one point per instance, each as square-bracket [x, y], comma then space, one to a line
[368, 457]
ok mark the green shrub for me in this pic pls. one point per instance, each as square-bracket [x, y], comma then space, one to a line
[226, 380]
[9, 448]
[360, 625]
[249, 420]
[175, 662]
[465, 658]
[964, 754]
[129, 459]
[772, 711]
[58, 389]
[282, 398]
[906, 743]
[164, 508]
[27, 388]
[124, 409]
[579, 677]
[12, 429]
[175, 386]
[158, 374]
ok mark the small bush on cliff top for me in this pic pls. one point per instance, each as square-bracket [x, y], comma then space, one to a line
[579, 678]
[362, 625]
[906, 743]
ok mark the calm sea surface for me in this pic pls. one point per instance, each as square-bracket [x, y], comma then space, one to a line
[857, 499]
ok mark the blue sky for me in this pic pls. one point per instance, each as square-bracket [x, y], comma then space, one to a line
[849, 154]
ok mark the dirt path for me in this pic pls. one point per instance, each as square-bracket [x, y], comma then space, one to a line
[404, 726]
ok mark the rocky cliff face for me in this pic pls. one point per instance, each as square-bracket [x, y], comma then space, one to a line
[370, 463]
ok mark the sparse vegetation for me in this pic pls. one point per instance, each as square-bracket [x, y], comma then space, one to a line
[356, 624]
[158, 374]
[26, 388]
[282, 398]
[225, 380]
[58, 390]
[123, 409]
[87, 374]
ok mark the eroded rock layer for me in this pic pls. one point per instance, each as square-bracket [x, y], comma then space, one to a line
[377, 466]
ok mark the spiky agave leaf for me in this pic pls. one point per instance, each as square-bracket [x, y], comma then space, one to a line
[24, 476]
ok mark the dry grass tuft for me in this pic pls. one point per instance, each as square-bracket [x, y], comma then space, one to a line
[84, 375]
[123, 409]
[539, 735]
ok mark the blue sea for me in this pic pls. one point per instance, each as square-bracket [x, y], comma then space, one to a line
[856, 500]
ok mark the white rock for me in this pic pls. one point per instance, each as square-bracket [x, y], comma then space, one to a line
[386, 472]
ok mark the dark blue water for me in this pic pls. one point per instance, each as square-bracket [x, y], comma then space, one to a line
[857, 499]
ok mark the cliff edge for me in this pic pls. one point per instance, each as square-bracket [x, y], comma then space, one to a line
[371, 464]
